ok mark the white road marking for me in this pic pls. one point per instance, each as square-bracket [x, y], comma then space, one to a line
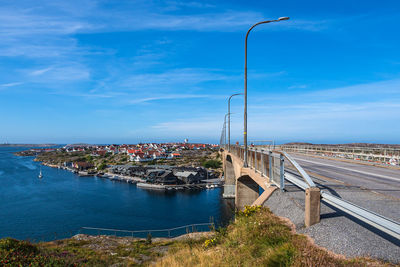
[349, 169]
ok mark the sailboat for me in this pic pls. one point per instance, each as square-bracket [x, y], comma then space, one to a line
[40, 174]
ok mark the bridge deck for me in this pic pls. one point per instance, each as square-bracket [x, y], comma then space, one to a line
[378, 179]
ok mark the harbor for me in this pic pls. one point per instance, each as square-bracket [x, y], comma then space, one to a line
[142, 182]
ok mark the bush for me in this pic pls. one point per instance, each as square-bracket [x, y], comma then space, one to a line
[102, 166]
[210, 242]
[89, 158]
[212, 163]
[248, 211]
[12, 245]
[148, 238]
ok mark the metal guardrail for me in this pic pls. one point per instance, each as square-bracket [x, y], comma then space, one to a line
[171, 232]
[302, 172]
[296, 181]
[378, 221]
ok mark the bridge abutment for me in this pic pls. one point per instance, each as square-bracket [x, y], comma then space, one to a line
[230, 178]
[247, 192]
[244, 184]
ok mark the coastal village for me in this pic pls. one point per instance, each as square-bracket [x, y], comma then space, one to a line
[149, 165]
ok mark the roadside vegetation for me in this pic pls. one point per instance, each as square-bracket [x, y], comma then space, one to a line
[255, 238]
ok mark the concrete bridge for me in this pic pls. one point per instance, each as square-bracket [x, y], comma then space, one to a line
[253, 185]
[267, 172]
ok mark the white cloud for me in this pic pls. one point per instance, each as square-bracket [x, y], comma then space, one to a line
[67, 72]
[179, 78]
[387, 89]
[167, 97]
[27, 30]
[10, 84]
[305, 118]
[40, 72]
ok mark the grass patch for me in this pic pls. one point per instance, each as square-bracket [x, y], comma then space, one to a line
[256, 238]
[71, 252]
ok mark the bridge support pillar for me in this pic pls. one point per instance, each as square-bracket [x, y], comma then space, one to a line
[247, 191]
[230, 178]
[313, 206]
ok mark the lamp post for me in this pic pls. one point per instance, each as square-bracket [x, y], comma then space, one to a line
[245, 84]
[229, 120]
[227, 114]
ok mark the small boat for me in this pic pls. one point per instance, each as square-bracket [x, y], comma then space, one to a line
[40, 174]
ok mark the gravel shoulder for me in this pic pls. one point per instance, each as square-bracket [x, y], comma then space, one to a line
[337, 231]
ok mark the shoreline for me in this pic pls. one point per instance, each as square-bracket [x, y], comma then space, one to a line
[140, 182]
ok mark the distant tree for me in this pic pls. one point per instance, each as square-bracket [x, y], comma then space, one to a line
[102, 166]
[89, 158]
[212, 163]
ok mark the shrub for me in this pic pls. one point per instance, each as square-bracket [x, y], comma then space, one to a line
[102, 166]
[148, 238]
[248, 210]
[212, 163]
[210, 242]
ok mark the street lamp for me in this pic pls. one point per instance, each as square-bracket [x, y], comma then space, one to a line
[245, 84]
[224, 128]
[229, 120]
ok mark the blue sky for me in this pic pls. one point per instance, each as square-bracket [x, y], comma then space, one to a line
[131, 71]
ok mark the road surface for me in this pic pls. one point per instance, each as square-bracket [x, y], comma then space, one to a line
[378, 179]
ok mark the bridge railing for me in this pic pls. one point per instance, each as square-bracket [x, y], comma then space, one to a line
[271, 164]
[384, 155]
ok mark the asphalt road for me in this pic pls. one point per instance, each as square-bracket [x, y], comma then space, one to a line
[382, 180]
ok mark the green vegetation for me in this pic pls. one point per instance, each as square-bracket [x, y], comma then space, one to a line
[256, 238]
[212, 163]
[89, 158]
[102, 166]
[22, 253]
[71, 252]
[195, 158]
[148, 239]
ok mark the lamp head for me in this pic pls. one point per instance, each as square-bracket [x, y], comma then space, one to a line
[283, 18]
